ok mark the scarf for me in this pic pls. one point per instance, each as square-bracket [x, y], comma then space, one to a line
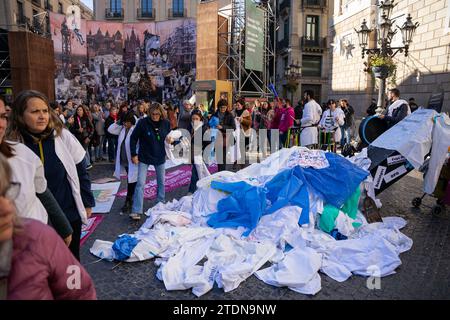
[397, 104]
[239, 112]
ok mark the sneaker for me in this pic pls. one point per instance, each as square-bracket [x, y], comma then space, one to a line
[89, 167]
[135, 216]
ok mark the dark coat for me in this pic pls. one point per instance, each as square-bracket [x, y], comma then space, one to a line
[151, 139]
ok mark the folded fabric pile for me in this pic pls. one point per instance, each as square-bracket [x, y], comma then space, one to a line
[297, 210]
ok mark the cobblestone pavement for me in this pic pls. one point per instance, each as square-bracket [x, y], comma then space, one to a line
[424, 274]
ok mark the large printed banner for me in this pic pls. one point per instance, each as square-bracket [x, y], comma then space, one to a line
[124, 61]
[254, 36]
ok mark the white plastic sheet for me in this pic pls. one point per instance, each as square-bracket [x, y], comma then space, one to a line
[439, 152]
[411, 137]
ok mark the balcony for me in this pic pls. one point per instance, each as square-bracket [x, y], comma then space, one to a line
[313, 45]
[176, 13]
[285, 5]
[314, 4]
[148, 14]
[114, 14]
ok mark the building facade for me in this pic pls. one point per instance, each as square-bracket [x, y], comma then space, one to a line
[302, 39]
[28, 15]
[424, 72]
[18, 15]
[130, 11]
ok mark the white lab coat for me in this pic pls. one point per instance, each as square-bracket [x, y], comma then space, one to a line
[70, 152]
[120, 167]
[27, 169]
[311, 116]
[337, 113]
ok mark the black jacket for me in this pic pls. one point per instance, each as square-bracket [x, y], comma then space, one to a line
[371, 109]
[397, 115]
[196, 136]
[88, 130]
[151, 139]
[349, 116]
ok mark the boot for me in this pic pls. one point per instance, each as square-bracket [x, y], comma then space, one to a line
[126, 209]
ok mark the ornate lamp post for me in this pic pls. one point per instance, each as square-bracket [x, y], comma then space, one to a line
[293, 74]
[385, 35]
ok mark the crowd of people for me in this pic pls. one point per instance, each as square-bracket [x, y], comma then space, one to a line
[47, 149]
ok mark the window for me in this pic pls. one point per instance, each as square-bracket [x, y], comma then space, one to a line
[146, 6]
[20, 14]
[312, 66]
[60, 8]
[286, 29]
[447, 19]
[116, 5]
[312, 28]
[178, 7]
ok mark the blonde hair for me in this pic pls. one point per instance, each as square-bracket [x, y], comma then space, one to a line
[158, 107]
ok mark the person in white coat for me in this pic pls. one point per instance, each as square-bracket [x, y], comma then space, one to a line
[310, 121]
[36, 125]
[331, 121]
[123, 157]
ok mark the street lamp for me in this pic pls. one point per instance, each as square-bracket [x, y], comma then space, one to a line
[386, 34]
[293, 74]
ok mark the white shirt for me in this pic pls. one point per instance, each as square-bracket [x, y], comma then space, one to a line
[27, 169]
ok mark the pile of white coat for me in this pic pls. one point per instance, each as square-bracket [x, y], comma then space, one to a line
[191, 255]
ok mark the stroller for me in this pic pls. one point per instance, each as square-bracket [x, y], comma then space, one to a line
[441, 192]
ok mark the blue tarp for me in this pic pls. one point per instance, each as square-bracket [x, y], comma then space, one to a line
[246, 203]
[123, 247]
[244, 207]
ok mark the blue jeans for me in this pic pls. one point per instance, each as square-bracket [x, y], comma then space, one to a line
[138, 198]
[345, 135]
[112, 147]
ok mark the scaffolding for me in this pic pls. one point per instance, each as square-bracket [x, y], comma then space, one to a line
[248, 83]
[5, 63]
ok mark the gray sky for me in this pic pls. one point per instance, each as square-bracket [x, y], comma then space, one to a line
[88, 3]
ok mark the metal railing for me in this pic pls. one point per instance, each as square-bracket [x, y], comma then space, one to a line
[314, 4]
[112, 13]
[146, 13]
[313, 43]
[177, 13]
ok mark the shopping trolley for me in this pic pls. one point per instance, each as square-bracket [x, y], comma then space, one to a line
[440, 193]
[293, 137]
[327, 141]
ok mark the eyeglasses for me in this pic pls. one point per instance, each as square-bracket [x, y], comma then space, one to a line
[13, 191]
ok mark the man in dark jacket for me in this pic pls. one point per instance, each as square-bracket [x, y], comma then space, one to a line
[150, 133]
[398, 109]
[226, 127]
[184, 119]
